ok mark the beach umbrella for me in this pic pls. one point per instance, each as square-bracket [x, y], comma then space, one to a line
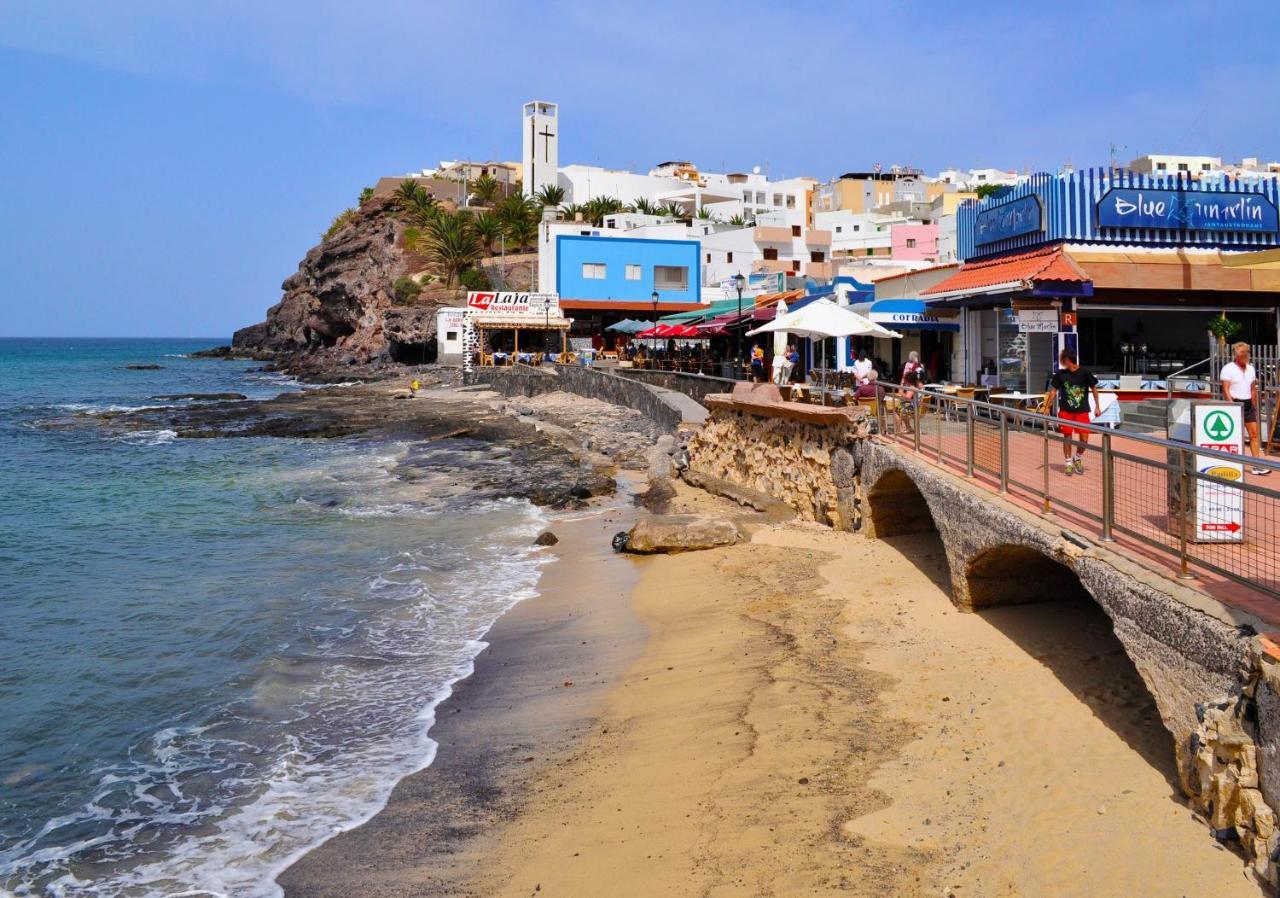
[820, 320]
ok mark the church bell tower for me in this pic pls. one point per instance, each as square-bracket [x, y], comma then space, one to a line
[541, 145]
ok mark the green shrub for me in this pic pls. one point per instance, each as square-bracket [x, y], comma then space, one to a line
[405, 290]
[340, 221]
[475, 279]
[366, 195]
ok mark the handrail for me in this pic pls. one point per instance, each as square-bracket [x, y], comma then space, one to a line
[1182, 371]
[1092, 428]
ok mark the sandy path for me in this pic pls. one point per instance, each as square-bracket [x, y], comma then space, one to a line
[812, 715]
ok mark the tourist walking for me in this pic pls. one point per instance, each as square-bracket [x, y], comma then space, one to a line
[1073, 385]
[757, 364]
[1240, 385]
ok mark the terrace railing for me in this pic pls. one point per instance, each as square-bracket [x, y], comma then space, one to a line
[1153, 495]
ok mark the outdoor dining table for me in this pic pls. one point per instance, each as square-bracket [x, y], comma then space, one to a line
[524, 357]
[501, 357]
[1016, 397]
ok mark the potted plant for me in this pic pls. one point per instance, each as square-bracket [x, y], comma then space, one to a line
[1224, 328]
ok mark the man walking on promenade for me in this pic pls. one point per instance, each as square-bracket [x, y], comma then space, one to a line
[1240, 385]
[1073, 384]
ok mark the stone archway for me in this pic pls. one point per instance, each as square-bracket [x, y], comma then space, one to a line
[1011, 574]
[895, 506]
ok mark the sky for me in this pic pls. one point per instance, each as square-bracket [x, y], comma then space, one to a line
[164, 166]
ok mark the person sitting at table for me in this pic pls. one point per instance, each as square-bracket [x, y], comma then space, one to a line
[913, 364]
[862, 368]
[872, 389]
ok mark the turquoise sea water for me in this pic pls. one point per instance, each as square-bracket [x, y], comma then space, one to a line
[217, 652]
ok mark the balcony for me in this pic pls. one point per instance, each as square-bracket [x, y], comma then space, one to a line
[772, 265]
[818, 269]
[766, 234]
[815, 237]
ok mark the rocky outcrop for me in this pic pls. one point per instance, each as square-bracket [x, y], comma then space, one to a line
[337, 307]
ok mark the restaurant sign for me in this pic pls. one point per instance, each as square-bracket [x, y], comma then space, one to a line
[1011, 219]
[1186, 210]
[508, 303]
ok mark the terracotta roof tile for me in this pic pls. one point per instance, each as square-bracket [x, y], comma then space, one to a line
[1049, 264]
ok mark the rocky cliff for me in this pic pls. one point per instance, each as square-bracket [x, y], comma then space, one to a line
[337, 308]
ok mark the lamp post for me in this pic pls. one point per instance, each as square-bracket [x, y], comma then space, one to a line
[738, 282]
[654, 296]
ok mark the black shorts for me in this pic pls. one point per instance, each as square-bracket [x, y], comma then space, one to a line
[1249, 411]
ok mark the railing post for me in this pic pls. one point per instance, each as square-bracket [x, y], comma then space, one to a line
[1183, 573]
[1004, 451]
[1108, 489]
[969, 442]
[1046, 509]
[915, 432]
[941, 420]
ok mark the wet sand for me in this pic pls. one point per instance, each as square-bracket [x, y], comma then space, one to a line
[808, 714]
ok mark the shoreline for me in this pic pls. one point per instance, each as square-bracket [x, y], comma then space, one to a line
[500, 725]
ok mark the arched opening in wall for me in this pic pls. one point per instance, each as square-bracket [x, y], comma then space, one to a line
[1041, 606]
[898, 513]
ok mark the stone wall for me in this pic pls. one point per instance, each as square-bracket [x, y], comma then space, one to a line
[697, 387]
[807, 466]
[666, 408]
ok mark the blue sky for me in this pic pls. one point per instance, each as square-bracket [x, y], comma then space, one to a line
[165, 166]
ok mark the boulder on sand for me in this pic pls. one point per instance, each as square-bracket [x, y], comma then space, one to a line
[681, 533]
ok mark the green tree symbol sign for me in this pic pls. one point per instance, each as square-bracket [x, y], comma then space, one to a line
[1219, 426]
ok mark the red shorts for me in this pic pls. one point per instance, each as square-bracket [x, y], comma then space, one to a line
[1082, 417]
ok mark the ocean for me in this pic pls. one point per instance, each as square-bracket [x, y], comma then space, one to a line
[217, 652]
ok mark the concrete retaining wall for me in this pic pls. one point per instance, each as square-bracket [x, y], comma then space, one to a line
[667, 408]
[696, 387]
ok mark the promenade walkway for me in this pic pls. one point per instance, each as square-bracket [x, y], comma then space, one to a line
[1143, 513]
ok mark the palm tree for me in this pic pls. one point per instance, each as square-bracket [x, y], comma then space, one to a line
[705, 214]
[573, 210]
[451, 243]
[488, 228]
[643, 206]
[598, 207]
[523, 232]
[485, 189]
[671, 210]
[406, 192]
[551, 195]
[422, 208]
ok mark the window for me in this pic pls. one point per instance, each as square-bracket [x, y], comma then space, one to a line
[760, 197]
[857, 228]
[795, 230]
[817, 256]
[450, 336]
[593, 271]
[870, 251]
[670, 277]
[1204, 166]
[708, 258]
[770, 253]
[746, 196]
[777, 199]
[911, 243]
[633, 272]
[728, 257]
[839, 229]
[1182, 166]
[791, 200]
[1161, 166]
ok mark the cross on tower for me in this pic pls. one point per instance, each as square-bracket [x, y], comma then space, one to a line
[546, 136]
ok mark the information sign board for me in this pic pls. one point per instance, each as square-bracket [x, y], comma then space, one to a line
[1219, 513]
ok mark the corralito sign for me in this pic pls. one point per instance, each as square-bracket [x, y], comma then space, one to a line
[1219, 513]
[494, 304]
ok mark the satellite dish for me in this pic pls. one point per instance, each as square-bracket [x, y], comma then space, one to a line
[755, 170]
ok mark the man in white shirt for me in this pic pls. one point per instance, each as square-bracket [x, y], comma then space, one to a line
[1240, 384]
[862, 368]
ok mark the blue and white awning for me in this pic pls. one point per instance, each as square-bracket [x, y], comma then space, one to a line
[907, 314]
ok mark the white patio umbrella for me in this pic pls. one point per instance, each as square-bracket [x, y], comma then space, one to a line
[821, 319]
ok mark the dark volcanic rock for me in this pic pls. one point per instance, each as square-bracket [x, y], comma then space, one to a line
[336, 309]
[199, 397]
[546, 538]
[144, 367]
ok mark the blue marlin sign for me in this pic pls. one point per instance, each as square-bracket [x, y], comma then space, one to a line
[1011, 219]
[1184, 210]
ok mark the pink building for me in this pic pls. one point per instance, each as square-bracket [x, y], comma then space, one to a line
[914, 242]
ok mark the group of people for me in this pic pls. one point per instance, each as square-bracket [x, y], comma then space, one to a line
[1073, 385]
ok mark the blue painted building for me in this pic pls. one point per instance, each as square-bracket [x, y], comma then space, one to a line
[626, 271]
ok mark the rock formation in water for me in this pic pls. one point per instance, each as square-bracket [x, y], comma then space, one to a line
[337, 308]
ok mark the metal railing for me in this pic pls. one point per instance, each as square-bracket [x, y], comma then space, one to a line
[1151, 495]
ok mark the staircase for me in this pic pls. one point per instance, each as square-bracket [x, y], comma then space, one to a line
[1145, 416]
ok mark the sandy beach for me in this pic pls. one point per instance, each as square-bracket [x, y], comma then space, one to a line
[807, 713]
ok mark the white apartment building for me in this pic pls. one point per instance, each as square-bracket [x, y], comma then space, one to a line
[859, 234]
[1162, 164]
[968, 179]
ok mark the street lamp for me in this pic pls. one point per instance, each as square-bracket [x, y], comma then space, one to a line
[738, 282]
[654, 296]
